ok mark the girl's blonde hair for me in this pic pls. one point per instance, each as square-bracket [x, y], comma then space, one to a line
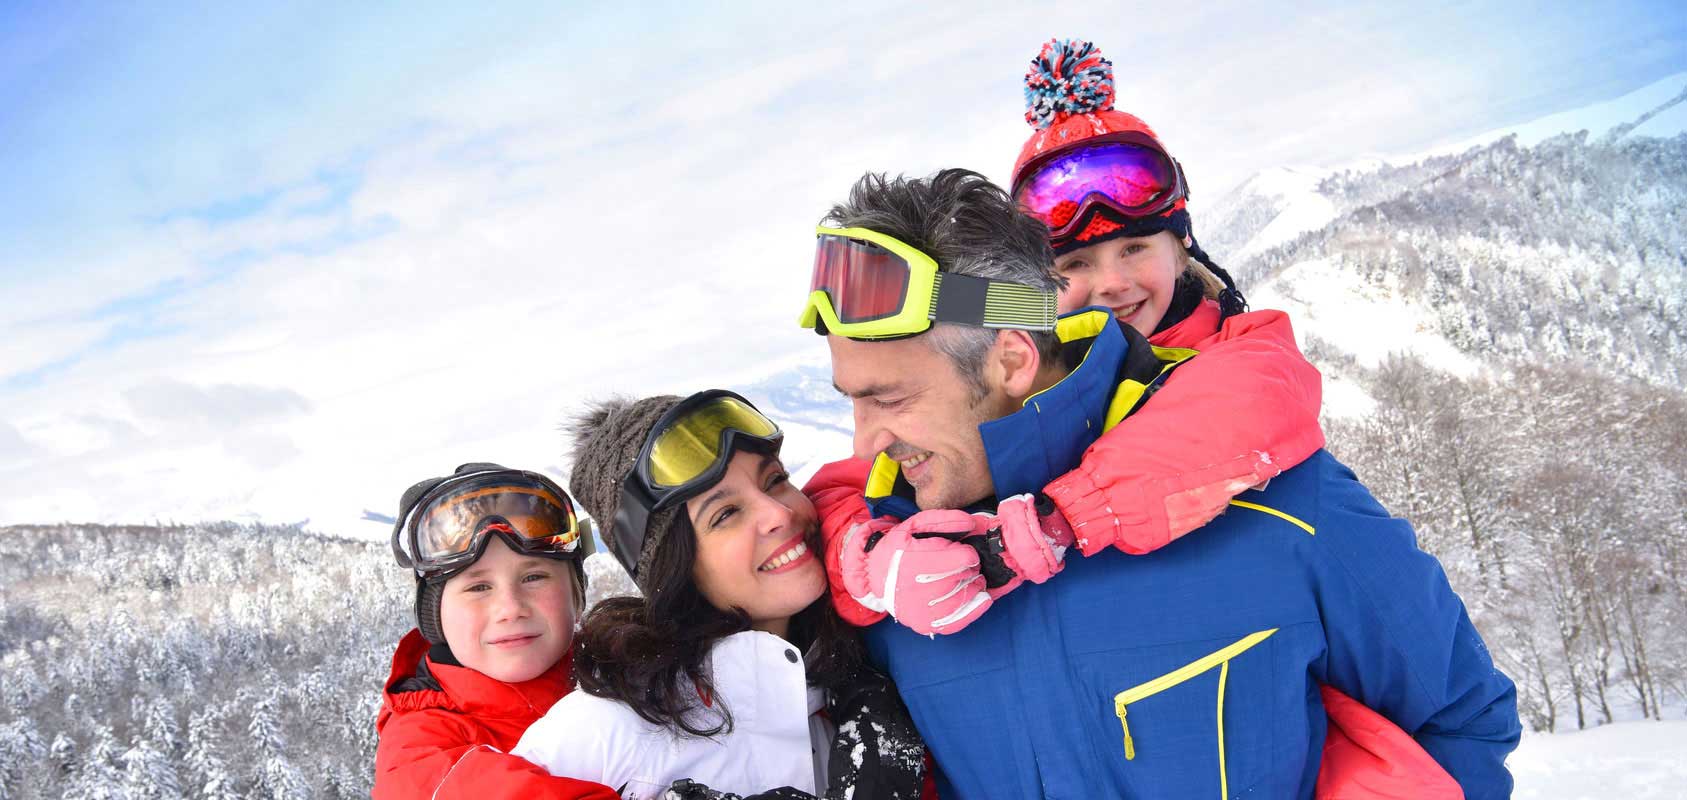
[1211, 286]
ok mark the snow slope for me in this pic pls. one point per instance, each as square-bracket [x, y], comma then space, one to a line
[1643, 760]
[1367, 322]
[1301, 208]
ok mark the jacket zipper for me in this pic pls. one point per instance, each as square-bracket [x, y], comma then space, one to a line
[1156, 685]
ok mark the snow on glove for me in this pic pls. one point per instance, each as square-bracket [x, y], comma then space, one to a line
[917, 571]
[1034, 537]
[1190, 509]
[877, 754]
[687, 789]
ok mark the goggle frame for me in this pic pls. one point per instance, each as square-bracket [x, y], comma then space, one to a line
[931, 295]
[642, 497]
[1080, 219]
[576, 542]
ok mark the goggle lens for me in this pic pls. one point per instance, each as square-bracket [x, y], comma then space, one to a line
[1133, 178]
[451, 526]
[691, 444]
[863, 280]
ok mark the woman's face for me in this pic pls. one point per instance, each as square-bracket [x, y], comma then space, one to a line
[757, 538]
[1133, 276]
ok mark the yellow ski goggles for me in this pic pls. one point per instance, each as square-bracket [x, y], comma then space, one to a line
[867, 285]
[686, 452]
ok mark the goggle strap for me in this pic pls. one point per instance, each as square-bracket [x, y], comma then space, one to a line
[627, 530]
[981, 302]
[407, 504]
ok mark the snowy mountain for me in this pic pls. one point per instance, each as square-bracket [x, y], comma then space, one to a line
[1526, 247]
[1267, 210]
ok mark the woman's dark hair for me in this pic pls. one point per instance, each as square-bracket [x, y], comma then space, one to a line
[649, 652]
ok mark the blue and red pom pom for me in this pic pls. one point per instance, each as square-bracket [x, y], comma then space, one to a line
[1068, 77]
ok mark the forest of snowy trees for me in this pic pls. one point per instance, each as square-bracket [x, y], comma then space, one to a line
[1556, 498]
[214, 661]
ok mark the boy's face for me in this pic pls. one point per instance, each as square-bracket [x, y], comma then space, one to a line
[509, 616]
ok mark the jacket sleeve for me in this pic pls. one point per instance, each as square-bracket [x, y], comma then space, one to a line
[837, 492]
[1238, 414]
[1399, 639]
[1366, 756]
[429, 754]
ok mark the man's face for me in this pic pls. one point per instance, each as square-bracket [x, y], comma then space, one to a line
[911, 404]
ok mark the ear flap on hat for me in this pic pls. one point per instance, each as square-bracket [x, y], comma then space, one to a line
[429, 593]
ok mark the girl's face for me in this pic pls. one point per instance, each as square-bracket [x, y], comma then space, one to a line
[509, 616]
[757, 541]
[1133, 276]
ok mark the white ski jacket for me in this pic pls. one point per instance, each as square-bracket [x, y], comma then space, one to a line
[774, 739]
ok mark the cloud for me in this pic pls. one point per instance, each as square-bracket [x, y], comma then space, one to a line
[13, 447]
[222, 407]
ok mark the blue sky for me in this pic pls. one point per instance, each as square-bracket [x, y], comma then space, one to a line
[251, 249]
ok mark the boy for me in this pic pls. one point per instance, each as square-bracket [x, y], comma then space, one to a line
[498, 556]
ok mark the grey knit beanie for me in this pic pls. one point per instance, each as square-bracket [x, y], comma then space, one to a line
[607, 439]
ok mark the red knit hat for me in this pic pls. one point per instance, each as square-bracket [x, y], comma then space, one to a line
[1068, 99]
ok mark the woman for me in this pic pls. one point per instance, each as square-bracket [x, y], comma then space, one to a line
[732, 670]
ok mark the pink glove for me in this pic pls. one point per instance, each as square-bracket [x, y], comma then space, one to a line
[1033, 544]
[918, 571]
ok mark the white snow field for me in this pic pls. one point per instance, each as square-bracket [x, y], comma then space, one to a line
[1642, 760]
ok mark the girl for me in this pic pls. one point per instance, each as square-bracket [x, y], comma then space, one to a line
[732, 670]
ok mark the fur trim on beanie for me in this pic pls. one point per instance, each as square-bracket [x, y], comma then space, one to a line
[606, 441]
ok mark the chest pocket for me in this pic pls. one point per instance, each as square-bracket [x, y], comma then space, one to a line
[1206, 723]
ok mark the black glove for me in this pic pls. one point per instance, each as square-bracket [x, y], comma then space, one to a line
[687, 789]
[874, 727]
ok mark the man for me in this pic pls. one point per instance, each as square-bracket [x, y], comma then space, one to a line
[1186, 672]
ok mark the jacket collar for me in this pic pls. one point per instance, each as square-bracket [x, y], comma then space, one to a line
[470, 692]
[1046, 437]
[1193, 329]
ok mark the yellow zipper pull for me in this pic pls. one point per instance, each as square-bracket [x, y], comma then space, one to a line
[1130, 746]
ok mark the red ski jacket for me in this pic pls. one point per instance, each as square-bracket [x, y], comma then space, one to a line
[452, 742]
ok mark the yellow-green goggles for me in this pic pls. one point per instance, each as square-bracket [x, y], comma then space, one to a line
[686, 452]
[867, 285]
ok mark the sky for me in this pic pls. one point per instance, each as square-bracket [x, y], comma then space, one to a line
[277, 261]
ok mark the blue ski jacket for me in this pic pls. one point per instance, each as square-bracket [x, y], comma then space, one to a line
[1193, 671]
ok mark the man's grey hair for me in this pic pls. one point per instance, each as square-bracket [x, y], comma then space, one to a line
[969, 226]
